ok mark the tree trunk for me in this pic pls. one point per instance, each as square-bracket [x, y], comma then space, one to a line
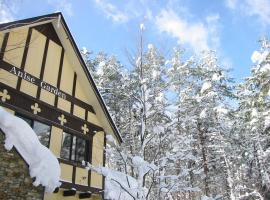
[204, 158]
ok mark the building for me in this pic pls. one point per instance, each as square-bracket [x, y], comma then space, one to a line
[44, 80]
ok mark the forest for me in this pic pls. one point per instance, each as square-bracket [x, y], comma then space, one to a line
[190, 131]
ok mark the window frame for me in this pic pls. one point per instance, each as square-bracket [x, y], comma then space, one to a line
[87, 148]
[32, 121]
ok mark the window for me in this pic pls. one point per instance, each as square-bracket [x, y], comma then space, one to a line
[74, 148]
[42, 130]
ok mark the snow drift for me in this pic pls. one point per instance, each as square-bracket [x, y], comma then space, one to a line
[43, 165]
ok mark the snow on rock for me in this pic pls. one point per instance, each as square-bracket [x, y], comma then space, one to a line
[43, 165]
[207, 85]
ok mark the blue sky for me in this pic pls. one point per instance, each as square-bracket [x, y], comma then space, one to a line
[231, 27]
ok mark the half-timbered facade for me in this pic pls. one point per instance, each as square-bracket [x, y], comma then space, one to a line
[44, 80]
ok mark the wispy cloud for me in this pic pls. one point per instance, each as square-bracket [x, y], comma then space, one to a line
[112, 12]
[124, 12]
[260, 9]
[195, 34]
[171, 18]
[62, 5]
[7, 11]
[253, 8]
[231, 3]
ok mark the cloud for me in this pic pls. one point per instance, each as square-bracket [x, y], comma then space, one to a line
[62, 5]
[195, 34]
[7, 11]
[260, 9]
[253, 8]
[112, 12]
[231, 3]
[130, 10]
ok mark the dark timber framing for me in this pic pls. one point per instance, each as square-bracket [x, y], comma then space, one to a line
[60, 73]
[49, 114]
[43, 65]
[4, 45]
[21, 102]
[6, 66]
[48, 19]
[26, 47]
[73, 91]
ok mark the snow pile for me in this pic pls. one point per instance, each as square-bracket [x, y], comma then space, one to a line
[43, 165]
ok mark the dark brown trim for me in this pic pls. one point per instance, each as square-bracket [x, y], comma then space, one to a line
[82, 188]
[48, 30]
[90, 157]
[21, 103]
[74, 174]
[32, 120]
[104, 159]
[73, 91]
[43, 65]
[69, 162]
[4, 46]
[6, 66]
[59, 74]
[74, 84]
[24, 22]
[93, 85]
[25, 52]
[56, 16]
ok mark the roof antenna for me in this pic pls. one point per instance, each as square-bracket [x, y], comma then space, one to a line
[58, 21]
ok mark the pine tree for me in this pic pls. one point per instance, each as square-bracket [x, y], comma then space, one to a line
[253, 114]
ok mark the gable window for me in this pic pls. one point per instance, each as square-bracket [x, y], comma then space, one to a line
[42, 130]
[74, 148]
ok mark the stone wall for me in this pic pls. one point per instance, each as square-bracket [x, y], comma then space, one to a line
[15, 181]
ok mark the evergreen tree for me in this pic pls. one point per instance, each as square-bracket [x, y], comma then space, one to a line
[253, 127]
